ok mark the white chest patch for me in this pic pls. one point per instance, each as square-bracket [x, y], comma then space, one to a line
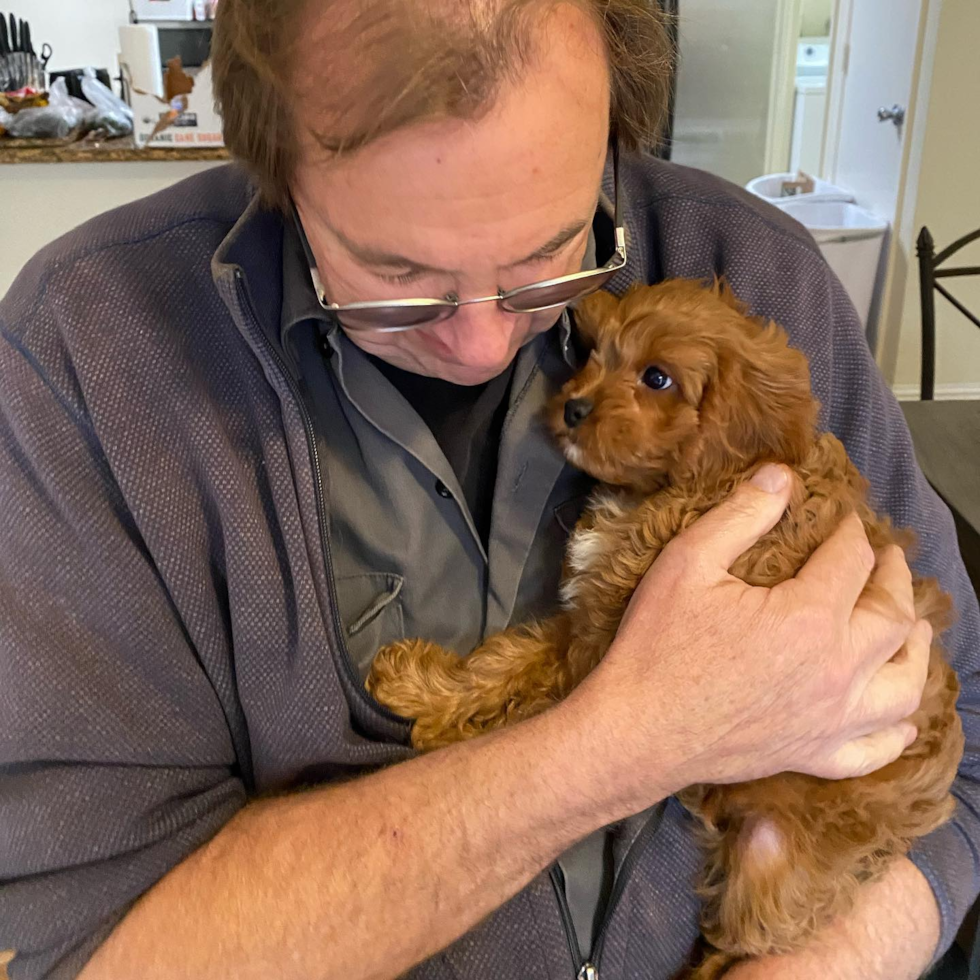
[586, 547]
[583, 548]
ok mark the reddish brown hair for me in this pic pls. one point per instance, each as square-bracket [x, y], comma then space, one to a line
[389, 63]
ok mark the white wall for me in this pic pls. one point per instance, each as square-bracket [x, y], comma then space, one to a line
[81, 32]
[42, 201]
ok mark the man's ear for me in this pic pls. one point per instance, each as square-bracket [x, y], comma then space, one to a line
[594, 313]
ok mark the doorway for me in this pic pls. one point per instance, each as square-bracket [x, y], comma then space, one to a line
[751, 86]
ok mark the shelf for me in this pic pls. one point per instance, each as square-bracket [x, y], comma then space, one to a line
[204, 25]
[108, 151]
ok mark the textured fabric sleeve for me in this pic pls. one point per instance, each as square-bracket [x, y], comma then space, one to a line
[861, 410]
[115, 756]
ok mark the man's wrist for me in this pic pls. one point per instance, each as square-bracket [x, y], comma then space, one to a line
[600, 752]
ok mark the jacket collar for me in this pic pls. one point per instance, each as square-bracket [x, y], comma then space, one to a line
[253, 248]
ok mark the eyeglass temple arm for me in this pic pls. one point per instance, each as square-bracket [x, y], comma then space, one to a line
[620, 230]
[308, 253]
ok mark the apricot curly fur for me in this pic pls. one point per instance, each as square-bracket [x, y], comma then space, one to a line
[740, 397]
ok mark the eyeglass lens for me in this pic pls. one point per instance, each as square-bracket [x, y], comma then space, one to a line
[534, 298]
[529, 299]
[397, 317]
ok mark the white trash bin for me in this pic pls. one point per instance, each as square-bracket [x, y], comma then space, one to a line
[770, 188]
[850, 239]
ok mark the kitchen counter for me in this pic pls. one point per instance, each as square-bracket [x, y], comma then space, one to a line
[121, 150]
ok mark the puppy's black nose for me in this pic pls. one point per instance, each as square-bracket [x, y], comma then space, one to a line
[576, 410]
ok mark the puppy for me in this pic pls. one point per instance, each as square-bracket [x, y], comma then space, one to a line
[683, 397]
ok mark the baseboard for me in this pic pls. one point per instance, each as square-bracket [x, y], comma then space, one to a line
[953, 393]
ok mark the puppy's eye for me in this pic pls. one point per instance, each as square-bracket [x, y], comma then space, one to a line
[656, 379]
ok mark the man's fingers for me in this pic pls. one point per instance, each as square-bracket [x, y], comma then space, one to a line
[892, 580]
[878, 633]
[868, 753]
[840, 567]
[895, 690]
[737, 523]
[884, 615]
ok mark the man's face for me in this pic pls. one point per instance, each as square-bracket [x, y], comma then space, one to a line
[468, 207]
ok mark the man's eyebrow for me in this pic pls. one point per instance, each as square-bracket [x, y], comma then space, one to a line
[552, 245]
[368, 255]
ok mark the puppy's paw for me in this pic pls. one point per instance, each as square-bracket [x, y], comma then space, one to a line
[396, 679]
[415, 679]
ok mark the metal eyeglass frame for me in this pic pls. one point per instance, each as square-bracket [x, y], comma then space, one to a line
[447, 306]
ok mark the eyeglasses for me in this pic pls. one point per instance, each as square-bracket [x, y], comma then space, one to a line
[393, 316]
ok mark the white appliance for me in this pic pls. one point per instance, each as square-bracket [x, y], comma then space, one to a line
[810, 104]
[771, 188]
[809, 113]
[851, 239]
[813, 57]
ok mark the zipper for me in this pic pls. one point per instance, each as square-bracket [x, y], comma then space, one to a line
[589, 970]
[558, 883]
[340, 639]
[619, 885]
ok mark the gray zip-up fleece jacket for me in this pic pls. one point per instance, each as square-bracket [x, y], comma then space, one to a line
[169, 640]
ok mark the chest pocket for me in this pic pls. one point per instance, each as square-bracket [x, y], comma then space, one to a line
[568, 513]
[371, 614]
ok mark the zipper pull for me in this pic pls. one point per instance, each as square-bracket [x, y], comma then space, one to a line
[588, 972]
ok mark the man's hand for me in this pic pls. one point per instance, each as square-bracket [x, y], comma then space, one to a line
[891, 934]
[712, 680]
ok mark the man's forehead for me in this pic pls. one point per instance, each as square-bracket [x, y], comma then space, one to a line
[410, 191]
[371, 67]
[446, 229]
[549, 120]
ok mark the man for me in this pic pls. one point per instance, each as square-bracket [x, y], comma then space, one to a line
[221, 493]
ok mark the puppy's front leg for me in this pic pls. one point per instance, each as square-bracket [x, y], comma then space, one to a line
[513, 675]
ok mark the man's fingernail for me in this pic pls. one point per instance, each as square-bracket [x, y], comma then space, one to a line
[911, 734]
[770, 478]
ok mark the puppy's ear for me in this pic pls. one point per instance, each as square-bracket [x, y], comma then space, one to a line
[723, 290]
[594, 313]
[759, 404]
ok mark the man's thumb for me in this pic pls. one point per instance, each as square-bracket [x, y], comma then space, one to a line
[731, 528]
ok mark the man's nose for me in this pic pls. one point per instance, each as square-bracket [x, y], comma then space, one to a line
[576, 410]
[476, 324]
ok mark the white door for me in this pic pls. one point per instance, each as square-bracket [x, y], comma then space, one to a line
[874, 68]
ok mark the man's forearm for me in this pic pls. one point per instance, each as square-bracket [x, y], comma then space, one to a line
[368, 878]
[891, 934]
